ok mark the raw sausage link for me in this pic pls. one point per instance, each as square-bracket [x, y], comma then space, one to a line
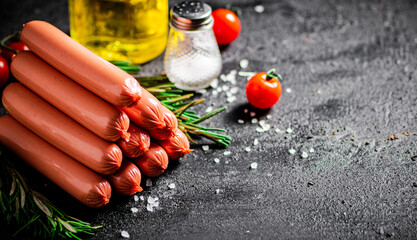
[148, 113]
[86, 108]
[176, 146]
[80, 64]
[61, 131]
[126, 180]
[77, 180]
[171, 123]
[154, 162]
[138, 143]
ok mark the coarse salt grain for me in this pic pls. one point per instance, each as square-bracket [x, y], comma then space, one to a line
[278, 130]
[216, 160]
[288, 90]
[141, 198]
[268, 116]
[149, 207]
[171, 185]
[227, 153]
[214, 83]
[311, 150]
[148, 182]
[234, 90]
[244, 63]
[254, 120]
[217, 191]
[255, 142]
[125, 234]
[289, 130]
[209, 109]
[292, 151]
[247, 149]
[134, 210]
[259, 8]
[252, 114]
[260, 130]
[219, 89]
[151, 200]
[254, 165]
[304, 155]
[241, 121]
[205, 148]
[231, 99]
[245, 110]
[136, 198]
[225, 88]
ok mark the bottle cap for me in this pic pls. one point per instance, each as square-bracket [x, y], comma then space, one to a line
[191, 15]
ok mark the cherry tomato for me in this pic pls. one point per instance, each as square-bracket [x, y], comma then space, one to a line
[264, 89]
[19, 46]
[4, 71]
[226, 26]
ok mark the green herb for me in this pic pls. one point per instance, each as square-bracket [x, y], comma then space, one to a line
[29, 211]
[178, 101]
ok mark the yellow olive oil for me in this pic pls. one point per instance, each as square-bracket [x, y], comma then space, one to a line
[134, 30]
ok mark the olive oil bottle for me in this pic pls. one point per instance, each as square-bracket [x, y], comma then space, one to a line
[134, 30]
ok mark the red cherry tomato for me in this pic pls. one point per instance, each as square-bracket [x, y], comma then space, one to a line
[264, 89]
[4, 71]
[226, 26]
[19, 46]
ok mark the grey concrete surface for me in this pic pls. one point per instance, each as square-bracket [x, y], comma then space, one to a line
[349, 93]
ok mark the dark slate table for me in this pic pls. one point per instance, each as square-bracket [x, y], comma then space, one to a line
[350, 94]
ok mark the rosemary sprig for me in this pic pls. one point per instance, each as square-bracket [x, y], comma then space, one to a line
[30, 211]
[178, 101]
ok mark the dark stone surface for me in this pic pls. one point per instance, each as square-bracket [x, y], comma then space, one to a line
[351, 66]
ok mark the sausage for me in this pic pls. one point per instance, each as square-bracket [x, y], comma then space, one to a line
[80, 182]
[176, 146]
[154, 162]
[61, 131]
[148, 113]
[138, 143]
[126, 180]
[86, 108]
[171, 123]
[80, 64]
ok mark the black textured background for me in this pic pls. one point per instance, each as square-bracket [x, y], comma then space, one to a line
[351, 66]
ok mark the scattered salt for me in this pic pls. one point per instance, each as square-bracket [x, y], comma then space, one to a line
[231, 99]
[209, 109]
[254, 120]
[148, 182]
[217, 191]
[240, 121]
[234, 90]
[259, 8]
[226, 162]
[125, 234]
[245, 110]
[248, 75]
[292, 151]
[289, 130]
[136, 198]
[151, 200]
[254, 165]
[149, 207]
[318, 91]
[134, 210]
[141, 198]
[260, 130]
[252, 114]
[229, 94]
[219, 89]
[171, 185]
[244, 63]
[247, 149]
[205, 148]
[311, 150]
[227, 153]
[215, 92]
[265, 126]
[288, 90]
[255, 142]
[225, 88]
[216, 160]
[304, 155]
[268, 116]
[156, 204]
[214, 83]
[278, 130]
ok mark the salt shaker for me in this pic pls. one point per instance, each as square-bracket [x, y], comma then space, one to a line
[192, 57]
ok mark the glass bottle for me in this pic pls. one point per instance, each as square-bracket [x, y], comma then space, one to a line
[192, 58]
[134, 30]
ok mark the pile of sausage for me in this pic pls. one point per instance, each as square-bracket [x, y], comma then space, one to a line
[82, 122]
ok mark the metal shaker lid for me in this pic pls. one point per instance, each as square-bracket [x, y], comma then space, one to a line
[191, 15]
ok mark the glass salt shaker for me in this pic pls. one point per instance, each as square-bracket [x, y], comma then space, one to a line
[192, 58]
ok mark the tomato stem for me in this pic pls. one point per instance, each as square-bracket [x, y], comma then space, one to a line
[271, 74]
[13, 36]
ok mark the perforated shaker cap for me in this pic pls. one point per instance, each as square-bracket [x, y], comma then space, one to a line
[191, 15]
